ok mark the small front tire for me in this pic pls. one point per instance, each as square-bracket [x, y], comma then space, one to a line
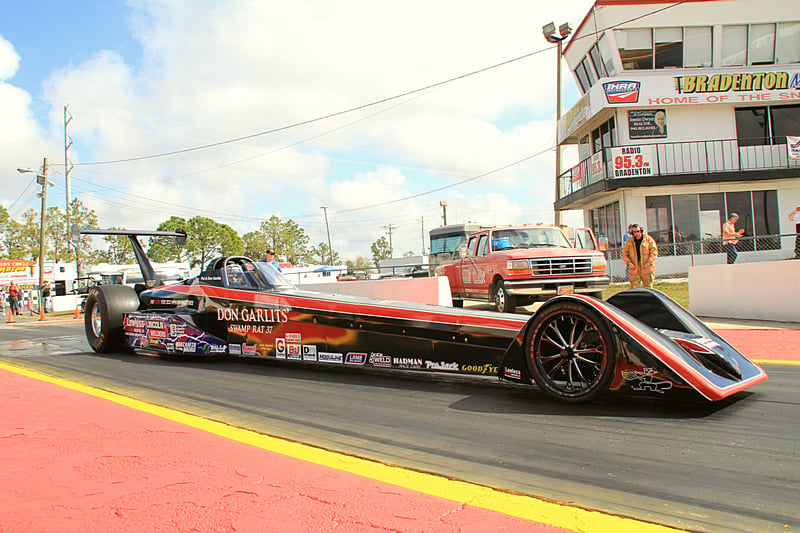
[106, 306]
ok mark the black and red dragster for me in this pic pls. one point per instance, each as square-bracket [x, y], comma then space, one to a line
[573, 347]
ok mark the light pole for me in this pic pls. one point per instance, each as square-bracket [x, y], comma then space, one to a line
[443, 203]
[41, 179]
[549, 31]
[327, 229]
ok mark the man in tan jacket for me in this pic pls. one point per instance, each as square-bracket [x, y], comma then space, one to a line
[639, 253]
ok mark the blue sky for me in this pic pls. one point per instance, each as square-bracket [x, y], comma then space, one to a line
[146, 78]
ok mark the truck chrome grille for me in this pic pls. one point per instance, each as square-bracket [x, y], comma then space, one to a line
[562, 266]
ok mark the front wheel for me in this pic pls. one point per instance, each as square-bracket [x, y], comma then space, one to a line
[571, 352]
[106, 306]
[504, 302]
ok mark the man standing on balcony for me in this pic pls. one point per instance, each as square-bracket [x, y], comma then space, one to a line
[794, 216]
[729, 237]
[640, 253]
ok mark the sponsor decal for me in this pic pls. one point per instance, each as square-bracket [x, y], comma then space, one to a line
[156, 324]
[355, 358]
[170, 347]
[329, 357]
[293, 350]
[135, 322]
[407, 362]
[441, 365]
[235, 349]
[186, 347]
[622, 92]
[280, 348]
[157, 333]
[487, 368]
[632, 161]
[645, 380]
[378, 359]
[176, 330]
[249, 349]
[216, 348]
[309, 352]
[294, 337]
[512, 373]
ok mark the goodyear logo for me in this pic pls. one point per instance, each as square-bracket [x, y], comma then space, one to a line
[622, 92]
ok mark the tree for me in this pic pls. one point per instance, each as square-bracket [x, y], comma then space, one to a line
[118, 251]
[162, 249]
[321, 254]
[360, 263]
[289, 241]
[380, 250]
[207, 238]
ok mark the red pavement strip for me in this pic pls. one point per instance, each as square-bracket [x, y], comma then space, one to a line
[76, 458]
[780, 346]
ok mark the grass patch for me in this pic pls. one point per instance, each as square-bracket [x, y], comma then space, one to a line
[678, 290]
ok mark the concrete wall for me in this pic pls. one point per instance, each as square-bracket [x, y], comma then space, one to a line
[434, 290]
[761, 291]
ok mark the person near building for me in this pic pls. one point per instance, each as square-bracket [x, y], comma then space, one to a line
[46, 300]
[794, 216]
[270, 258]
[729, 237]
[13, 298]
[639, 254]
[628, 235]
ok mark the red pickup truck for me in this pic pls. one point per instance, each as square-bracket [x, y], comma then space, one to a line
[515, 265]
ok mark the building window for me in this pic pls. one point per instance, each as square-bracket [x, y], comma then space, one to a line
[583, 78]
[635, 48]
[605, 223]
[669, 47]
[785, 120]
[734, 45]
[762, 44]
[686, 213]
[607, 54]
[658, 210]
[697, 49]
[587, 65]
[597, 61]
[787, 45]
[605, 136]
[761, 126]
[752, 126]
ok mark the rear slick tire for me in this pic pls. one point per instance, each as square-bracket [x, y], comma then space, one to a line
[106, 306]
[571, 352]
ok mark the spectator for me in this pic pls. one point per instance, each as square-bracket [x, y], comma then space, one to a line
[47, 302]
[794, 216]
[625, 238]
[639, 254]
[13, 298]
[729, 240]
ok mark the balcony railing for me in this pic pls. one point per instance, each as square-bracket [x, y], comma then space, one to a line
[666, 159]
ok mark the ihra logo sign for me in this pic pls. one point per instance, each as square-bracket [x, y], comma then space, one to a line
[622, 92]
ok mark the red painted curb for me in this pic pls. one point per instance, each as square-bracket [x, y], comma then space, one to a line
[73, 462]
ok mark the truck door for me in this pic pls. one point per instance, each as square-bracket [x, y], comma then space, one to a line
[473, 267]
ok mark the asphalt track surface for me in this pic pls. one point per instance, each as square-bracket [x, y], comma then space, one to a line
[729, 466]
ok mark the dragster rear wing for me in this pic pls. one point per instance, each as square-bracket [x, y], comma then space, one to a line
[151, 279]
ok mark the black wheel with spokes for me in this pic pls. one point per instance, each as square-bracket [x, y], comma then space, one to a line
[571, 351]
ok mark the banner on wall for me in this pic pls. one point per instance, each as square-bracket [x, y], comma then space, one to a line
[633, 161]
[793, 145]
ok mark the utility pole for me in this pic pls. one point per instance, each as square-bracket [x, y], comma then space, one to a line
[68, 195]
[327, 229]
[41, 179]
[389, 229]
[422, 232]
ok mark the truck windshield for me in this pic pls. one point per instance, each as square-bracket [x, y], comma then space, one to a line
[520, 238]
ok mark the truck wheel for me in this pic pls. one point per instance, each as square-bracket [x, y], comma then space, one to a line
[571, 352]
[504, 302]
[103, 322]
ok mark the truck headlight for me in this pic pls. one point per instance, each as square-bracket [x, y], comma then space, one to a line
[517, 266]
[599, 264]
